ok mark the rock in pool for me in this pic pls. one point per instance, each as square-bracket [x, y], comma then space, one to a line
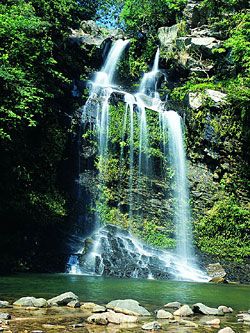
[213, 322]
[244, 317]
[154, 325]
[63, 299]
[188, 323]
[74, 304]
[4, 304]
[184, 311]
[98, 308]
[201, 308]
[4, 316]
[31, 302]
[225, 309]
[173, 305]
[128, 306]
[111, 317]
[226, 330]
[162, 314]
[88, 306]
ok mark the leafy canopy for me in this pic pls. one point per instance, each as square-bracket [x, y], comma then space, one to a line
[148, 15]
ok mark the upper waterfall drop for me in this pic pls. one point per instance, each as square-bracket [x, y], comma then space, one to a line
[148, 84]
[156, 61]
[113, 57]
[106, 76]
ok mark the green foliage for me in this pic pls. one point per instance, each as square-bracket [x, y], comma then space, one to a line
[239, 41]
[37, 65]
[146, 16]
[221, 8]
[156, 236]
[21, 51]
[225, 230]
[48, 204]
[35, 59]
[141, 20]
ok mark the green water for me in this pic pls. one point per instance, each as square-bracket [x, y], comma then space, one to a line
[150, 293]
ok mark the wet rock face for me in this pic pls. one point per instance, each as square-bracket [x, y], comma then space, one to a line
[194, 53]
[204, 44]
[113, 252]
[202, 188]
[196, 100]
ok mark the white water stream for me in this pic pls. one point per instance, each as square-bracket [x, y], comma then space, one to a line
[179, 264]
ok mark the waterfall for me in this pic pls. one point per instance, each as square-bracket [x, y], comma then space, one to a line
[130, 101]
[113, 251]
[148, 88]
[181, 194]
[148, 84]
[110, 250]
[143, 140]
[102, 85]
[171, 127]
[105, 77]
[156, 61]
[96, 109]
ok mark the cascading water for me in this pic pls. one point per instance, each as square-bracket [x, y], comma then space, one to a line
[171, 127]
[105, 77]
[143, 140]
[148, 84]
[130, 101]
[147, 89]
[184, 247]
[97, 106]
[112, 251]
[102, 86]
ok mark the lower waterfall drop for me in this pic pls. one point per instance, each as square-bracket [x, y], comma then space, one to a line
[182, 218]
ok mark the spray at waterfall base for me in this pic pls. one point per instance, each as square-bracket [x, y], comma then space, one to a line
[113, 251]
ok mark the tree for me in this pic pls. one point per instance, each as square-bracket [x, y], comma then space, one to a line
[37, 66]
[147, 16]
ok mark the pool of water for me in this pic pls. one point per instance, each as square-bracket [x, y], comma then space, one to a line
[150, 293]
